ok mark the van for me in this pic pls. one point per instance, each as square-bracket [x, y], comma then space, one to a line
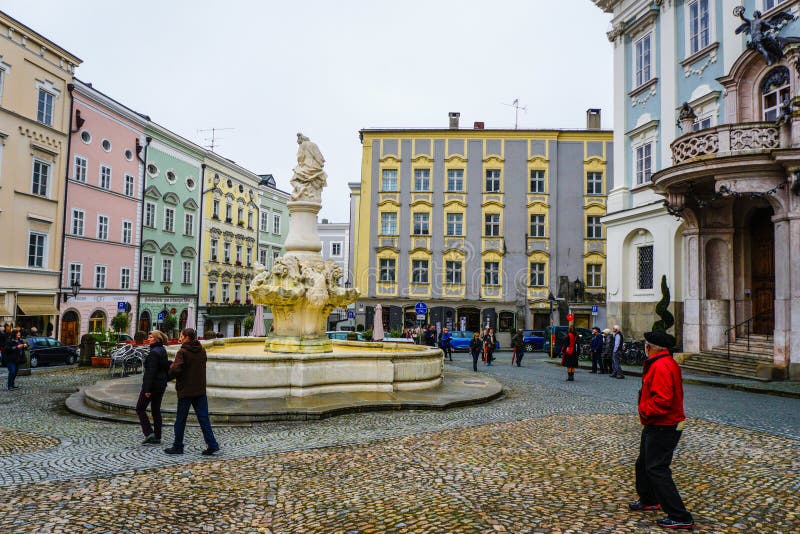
[584, 336]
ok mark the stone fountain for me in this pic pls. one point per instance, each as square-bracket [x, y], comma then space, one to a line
[298, 372]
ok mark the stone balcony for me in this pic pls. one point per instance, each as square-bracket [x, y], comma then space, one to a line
[726, 140]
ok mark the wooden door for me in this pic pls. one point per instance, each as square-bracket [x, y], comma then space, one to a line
[69, 332]
[762, 263]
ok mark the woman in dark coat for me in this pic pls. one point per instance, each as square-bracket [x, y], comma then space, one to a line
[476, 349]
[154, 383]
[13, 355]
[488, 345]
[608, 348]
[569, 353]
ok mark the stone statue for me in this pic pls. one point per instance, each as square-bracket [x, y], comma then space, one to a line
[764, 37]
[309, 178]
[785, 114]
[686, 112]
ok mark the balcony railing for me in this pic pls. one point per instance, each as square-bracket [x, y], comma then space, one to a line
[726, 139]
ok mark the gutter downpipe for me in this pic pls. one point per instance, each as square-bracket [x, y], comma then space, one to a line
[143, 161]
[70, 88]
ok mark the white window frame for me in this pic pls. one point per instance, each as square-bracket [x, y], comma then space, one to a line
[80, 168]
[597, 269]
[275, 255]
[262, 256]
[420, 271]
[777, 107]
[127, 231]
[148, 263]
[3, 72]
[455, 177]
[421, 223]
[539, 225]
[130, 185]
[166, 273]
[153, 211]
[390, 182]
[212, 290]
[491, 277]
[492, 179]
[263, 221]
[536, 277]
[81, 220]
[389, 224]
[539, 176]
[775, 3]
[45, 241]
[226, 251]
[169, 219]
[100, 276]
[595, 226]
[642, 75]
[103, 175]
[387, 266]
[48, 177]
[422, 180]
[188, 224]
[215, 208]
[493, 225]
[333, 251]
[276, 223]
[638, 261]
[639, 177]
[596, 182]
[186, 269]
[249, 256]
[691, 48]
[41, 114]
[75, 268]
[454, 227]
[225, 291]
[214, 249]
[103, 236]
[451, 269]
[125, 278]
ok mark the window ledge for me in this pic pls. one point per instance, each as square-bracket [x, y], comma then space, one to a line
[642, 88]
[699, 54]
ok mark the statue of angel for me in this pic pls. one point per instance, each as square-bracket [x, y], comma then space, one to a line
[309, 178]
[763, 33]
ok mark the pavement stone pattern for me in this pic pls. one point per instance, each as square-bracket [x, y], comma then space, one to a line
[549, 457]
[16, 442]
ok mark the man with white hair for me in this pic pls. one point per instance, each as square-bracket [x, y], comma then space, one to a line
[616, 352]
[661, 414]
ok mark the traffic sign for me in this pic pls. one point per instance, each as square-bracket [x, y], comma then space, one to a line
[351, 314]
[570, 317]
[120, 305]
[421, 316]
[160, 316]
[594, 310]
[421, 308]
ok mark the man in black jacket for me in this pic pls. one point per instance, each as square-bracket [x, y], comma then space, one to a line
[189, 370]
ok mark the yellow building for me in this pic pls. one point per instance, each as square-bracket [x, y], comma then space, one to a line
[229, 245]
[481, 225]
[35, 78]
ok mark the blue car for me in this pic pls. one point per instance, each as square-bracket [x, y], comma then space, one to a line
[461, 338]
[533, 339]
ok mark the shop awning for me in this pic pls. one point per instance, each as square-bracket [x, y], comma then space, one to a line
[37, 304]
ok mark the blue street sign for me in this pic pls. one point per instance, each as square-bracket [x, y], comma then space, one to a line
[160, 316]
[421, 308]
[594, 310]
[351, 314]
[120, 305]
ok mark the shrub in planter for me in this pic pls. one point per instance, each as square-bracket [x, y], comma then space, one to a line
[120, 322]
[168, 324]
[368, 333]
[352, 336]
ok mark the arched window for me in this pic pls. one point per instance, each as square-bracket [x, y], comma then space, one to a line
[144, 322]
[97, 322]
[774, 89]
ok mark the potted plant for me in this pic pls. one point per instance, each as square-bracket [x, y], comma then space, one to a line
[120, 322]
[248, 323]
[168, 325]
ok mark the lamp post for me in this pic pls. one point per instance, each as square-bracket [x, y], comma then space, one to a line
[76, 288]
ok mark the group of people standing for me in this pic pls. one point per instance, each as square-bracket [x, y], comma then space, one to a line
[605, 347]
[12, 351]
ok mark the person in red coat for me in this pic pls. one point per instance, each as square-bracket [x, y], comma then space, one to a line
[569, 353]
[661, 413]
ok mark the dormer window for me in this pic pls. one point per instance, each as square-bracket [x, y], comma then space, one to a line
[774, 90]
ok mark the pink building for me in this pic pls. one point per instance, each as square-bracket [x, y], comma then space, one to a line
[103, 211]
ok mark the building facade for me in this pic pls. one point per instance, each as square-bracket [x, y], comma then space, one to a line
[705, 192]
[229, 245]
[481, 225]
[35, 74]
[273, 226]
[103, 203]
[335, 238]
[170, 228]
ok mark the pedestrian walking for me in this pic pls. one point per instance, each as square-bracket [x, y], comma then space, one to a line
[489, 345]
[5, 335]
[662, 416]
[518, 344]
[569, 353]
[445, 344]
[608, 348]
[596, 348]
[189, 370]
[430, 336]
[616, 354]
[14, 355]
[476, 349]
[154, 382]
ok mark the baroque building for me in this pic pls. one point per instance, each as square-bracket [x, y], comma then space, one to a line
[335, 239]
[481, 225]
[35, 75]
[705, 192]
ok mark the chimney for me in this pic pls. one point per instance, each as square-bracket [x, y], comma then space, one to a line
[478, 125]
[593, 119]
[324, 221]
[454, 115]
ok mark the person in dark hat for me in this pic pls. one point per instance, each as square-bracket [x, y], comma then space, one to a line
[596, 348]
[661, 413]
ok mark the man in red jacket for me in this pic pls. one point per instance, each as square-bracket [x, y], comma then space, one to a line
[661, 413]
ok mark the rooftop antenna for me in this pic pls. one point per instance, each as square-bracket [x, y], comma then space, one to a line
[213, 139]
[516, 105]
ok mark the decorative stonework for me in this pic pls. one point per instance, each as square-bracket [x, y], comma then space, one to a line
[641, 100]
[698, 70]
[725, 139]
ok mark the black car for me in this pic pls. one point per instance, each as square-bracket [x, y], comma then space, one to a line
[49, 350]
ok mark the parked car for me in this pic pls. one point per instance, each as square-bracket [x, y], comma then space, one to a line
[50, 350]
[584, 336]
[342, 335]
[460, 340]
[533, 339]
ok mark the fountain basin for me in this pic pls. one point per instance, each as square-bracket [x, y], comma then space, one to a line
[240, 368]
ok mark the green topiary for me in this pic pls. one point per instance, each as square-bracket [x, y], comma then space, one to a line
[367, 333]
[168, 324]
[120, 322]
[248, 322]
[662, 309]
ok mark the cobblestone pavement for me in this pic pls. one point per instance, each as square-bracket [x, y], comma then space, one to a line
[550, 457]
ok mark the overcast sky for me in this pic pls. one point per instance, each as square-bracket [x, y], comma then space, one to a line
[329, 68]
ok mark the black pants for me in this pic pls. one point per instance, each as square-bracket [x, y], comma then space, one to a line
[475, 357]
[519, 354]
[448, 352]
[155, 406]
[597, 361]
[654, 482]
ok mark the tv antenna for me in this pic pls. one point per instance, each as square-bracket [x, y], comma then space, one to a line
[516, 105]
[213, 139]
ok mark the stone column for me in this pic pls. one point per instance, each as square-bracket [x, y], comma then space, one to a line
[793, 312]
[691, 289]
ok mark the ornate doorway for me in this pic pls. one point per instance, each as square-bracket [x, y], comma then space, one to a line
[70, 326]
[762, 265]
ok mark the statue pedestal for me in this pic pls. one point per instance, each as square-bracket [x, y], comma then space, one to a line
[303, 239]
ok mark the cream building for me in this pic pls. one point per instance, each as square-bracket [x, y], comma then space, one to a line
[35, 81]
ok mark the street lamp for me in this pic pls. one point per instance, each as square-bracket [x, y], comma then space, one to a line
[76, 287]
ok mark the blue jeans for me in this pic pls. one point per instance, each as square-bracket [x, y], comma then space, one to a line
[200, 405]
[13, 367]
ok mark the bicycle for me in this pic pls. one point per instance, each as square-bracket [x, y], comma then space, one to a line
[633, 352]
